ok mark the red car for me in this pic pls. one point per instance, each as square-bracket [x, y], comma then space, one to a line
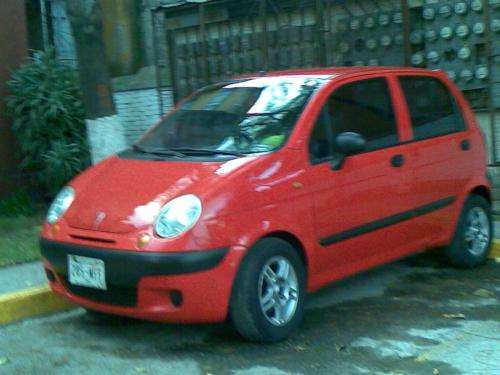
[257, 190]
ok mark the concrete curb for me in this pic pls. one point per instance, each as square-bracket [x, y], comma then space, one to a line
[39, 301]
[30, 302]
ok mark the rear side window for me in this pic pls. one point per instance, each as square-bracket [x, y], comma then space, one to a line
[432, 108]
[364, 107]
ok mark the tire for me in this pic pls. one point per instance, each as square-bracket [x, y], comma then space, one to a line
[253, 286]
[473, 236]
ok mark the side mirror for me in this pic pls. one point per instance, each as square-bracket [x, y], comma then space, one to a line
[348, 143]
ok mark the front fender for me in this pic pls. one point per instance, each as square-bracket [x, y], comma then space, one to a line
[294, 217]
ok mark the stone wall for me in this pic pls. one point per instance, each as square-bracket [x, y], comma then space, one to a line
[139, 109]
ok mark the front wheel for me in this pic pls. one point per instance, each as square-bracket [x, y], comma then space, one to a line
[267, 302]
[473, 236]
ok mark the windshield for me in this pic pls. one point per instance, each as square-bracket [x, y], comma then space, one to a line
[247, 116]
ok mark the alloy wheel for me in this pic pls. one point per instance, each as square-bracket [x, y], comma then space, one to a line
[278, 290]
[477, 231]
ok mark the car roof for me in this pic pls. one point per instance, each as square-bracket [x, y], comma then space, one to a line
[336, 72]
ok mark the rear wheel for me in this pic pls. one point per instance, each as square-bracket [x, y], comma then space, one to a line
[268, 294]
[473, 236]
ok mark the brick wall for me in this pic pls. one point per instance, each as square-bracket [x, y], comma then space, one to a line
[139, 109]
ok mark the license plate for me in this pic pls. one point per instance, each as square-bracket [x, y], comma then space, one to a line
[84, 271]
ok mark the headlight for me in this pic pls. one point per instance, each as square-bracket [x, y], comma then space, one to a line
[60, 204]
[178, 215]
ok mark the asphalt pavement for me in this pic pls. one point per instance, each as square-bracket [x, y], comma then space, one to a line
[415, 316]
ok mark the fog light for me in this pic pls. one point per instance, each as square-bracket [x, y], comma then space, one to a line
[143, 240]
[50, 275]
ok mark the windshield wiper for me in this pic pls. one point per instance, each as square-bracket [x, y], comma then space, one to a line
[159, 151]
[204, 151]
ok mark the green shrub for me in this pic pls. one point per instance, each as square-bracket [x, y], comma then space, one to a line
[48, 121]
[21, 203]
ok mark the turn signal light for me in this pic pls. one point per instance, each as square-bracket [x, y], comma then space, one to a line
[143, 240]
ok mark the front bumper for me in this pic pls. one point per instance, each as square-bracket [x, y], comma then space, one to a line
[192, 286]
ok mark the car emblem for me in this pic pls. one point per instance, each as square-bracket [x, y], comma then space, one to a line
[99, 219]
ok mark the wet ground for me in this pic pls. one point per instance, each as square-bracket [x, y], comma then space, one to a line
[415, 316]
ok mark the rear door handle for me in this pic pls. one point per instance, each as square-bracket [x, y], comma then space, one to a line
[465, 145]
[397, 160]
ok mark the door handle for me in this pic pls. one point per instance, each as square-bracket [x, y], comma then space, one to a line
[465, 145]
[397, 160]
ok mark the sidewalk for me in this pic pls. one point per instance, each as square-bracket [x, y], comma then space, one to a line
[24, 293]
[22, 276]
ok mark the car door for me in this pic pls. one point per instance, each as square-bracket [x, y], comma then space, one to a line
[441, 149]
[360, 210]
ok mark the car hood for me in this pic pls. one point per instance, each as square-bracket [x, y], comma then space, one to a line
[120, 196]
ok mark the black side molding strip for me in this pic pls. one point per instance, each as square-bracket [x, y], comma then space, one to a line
[385, 222]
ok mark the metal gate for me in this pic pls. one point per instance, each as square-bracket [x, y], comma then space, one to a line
[212, 40]
[221, 39]
[205, 42]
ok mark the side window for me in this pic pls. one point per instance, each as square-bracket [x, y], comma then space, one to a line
[433, 110]
[364, 107]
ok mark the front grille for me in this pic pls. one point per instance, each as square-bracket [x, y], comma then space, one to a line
[114, 295]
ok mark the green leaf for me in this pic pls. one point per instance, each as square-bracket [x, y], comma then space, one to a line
[48, 120]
